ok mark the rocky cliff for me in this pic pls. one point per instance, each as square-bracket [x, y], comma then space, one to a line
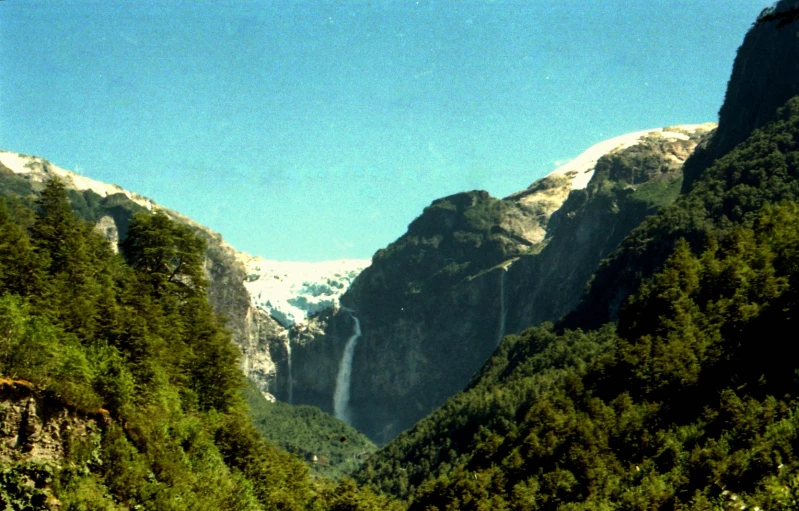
[268, 304]
[37, 436]
[764, 77]
[293, 302]
[32, 429]
[415, 325]
[627, 185]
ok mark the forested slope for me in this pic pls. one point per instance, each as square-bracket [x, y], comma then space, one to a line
[120, 366]
[763, 79]
[332, 448]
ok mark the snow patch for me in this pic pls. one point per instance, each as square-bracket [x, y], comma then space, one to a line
[40, 170]
[581, 169]
[291, 292]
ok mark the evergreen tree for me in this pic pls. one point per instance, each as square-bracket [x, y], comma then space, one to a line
[147, 376]
[20, 265]
[167, 255]
[77, 259]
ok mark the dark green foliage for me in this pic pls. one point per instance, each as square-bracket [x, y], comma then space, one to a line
[13, 185]
[762, 170]
[137, 348]
[659, 192]
[523, 368]
[763, 79]
[24, 486]
[686, 407]
[646, 175]
[166, 254]
[21, 267]
[346, 496]
[331, 447]
[591, 224]
[90, 206]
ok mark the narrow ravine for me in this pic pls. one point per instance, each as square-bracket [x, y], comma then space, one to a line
[341, 396]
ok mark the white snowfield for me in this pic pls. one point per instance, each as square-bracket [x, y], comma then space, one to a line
[291, 292]
[39, 170]
[582, 167]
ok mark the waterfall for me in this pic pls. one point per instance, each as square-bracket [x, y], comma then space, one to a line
[291, 377]
[341, 397]
[503, 314]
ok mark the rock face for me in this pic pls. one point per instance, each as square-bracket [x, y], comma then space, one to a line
[434, 304]
[764, 77]
[268, 305]
[37, 434]
[33, 431]
[292, 305]
[627, 185]
[108, 228]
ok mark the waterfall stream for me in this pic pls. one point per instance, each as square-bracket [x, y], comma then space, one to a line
[341, 397]
[503, 314]
[291, 377]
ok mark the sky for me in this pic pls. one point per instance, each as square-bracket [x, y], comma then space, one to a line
[318, 130]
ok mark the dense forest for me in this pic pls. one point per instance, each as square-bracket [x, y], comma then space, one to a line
[331, 447]
[670, 386]
[129, 345]
[689, 401]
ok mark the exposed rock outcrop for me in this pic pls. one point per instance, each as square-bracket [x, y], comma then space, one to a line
[764, 77]
[628, 185]
[433, 304]
[34, 430]
[108, 228]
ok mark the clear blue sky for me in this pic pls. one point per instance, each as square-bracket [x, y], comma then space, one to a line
[320, 130]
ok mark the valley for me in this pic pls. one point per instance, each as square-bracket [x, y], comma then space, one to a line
[612, 336]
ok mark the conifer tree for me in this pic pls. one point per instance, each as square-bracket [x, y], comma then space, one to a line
[167, 255]
[20, 266]
[77, 258]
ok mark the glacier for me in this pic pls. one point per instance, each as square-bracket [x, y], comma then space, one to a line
[291, 292]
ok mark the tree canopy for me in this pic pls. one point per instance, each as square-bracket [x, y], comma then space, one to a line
[133, 339]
